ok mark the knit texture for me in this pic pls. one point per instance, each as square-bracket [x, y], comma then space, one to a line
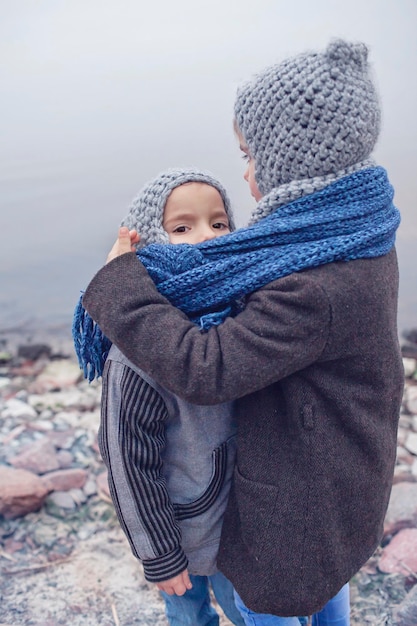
[297, 189]
[309, 116]
[147, 209]
[146, 215]
[350, 219]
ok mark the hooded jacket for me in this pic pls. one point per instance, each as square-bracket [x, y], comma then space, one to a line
[170, 465]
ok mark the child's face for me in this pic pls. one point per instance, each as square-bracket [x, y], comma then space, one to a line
[194, 212]
[249, 174]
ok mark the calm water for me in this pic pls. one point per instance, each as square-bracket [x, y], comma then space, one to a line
[58, 223]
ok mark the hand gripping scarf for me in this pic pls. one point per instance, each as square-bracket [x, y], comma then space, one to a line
[352, 218]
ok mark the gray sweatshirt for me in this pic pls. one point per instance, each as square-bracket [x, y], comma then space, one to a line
[170, 466]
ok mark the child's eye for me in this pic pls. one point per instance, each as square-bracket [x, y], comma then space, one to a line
[180, 229]
[221, 226]
[246, 157]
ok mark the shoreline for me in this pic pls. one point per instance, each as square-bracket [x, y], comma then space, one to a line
[58, 336]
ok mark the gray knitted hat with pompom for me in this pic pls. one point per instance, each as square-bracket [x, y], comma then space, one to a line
[146, 212]
[309, 116]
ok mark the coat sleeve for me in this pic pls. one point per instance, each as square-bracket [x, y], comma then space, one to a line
[283, 328]
[131, 441]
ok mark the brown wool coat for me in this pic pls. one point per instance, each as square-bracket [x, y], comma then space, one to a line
[315, 362]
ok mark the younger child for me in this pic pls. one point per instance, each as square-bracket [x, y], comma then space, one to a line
[169, 462]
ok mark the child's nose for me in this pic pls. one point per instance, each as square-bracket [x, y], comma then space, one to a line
[246, 174]
[208, 234]
[205, 233]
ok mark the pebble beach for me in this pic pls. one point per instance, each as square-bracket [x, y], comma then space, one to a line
[63, 557]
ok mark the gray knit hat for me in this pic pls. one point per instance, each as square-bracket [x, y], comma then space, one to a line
[146, 212]
[312, 115]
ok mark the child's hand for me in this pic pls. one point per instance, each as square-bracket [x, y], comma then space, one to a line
[177, 585]
[124, 243]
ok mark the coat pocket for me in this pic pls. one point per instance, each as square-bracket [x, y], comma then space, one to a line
[256, 503]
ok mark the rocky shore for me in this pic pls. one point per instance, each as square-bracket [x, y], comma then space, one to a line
[63, 557]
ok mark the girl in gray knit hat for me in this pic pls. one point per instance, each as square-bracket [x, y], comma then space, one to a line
[170, 462]
[313, 360]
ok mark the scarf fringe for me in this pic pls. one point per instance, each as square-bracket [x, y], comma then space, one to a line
[91, 345]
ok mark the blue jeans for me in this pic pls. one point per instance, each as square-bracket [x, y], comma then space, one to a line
[335, 613]
[194, 607]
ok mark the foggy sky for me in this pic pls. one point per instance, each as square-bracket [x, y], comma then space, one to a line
[98, 96]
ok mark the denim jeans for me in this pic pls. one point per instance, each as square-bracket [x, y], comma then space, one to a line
[335, 613]
[263, 619]
[194, 608]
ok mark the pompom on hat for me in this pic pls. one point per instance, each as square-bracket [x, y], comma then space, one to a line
[147, 209]
[310, 116]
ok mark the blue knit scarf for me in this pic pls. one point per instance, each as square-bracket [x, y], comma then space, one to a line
[352, 218]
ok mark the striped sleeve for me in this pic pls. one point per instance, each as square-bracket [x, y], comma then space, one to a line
[131, 440]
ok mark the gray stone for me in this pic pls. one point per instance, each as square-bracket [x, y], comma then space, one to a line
[410, 366]
[406, 613]
[404, 456]
[78, 496]
[90, 488]
[18, 410]
[402, 508]
[33, 352]
[411, 399]
[411, 443]
[402, 434]
[402, 473]
[62, 499]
